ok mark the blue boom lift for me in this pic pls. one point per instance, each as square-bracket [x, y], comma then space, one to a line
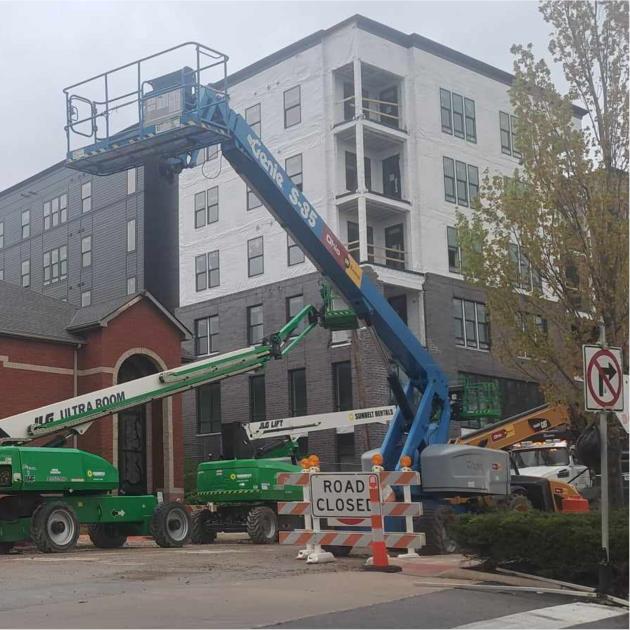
[175, 117]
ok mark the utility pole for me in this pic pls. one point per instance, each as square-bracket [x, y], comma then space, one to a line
[604, 565]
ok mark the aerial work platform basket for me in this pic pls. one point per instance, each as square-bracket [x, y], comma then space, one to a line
[165, 105]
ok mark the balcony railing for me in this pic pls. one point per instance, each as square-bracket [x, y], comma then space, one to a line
[384, 112]
[391, 257]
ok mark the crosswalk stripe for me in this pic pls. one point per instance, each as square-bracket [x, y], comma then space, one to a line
[562, 616]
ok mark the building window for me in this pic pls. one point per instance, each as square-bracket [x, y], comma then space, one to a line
[207, 271]
[446, 113]
[214, 271]
[209, 408]
[470, 120]
[458, 115]
[255, 257]
[1, 234]
[86, 197]
[26, 273]
[533, 327]
[86, 298]
[55, 211]
[293, 167]
[257, 412]
[295, 304]
[449, 179]
[131, 235]
[131, 285]
[206, 331]
[201, 273]
[252, 200]
[212, 153]
[56, 265]
[342, 386]
[507, 126]
[346, 452]
[255, 330]
[524, 276]
[292, 107]
[207, 207]
[1, 274]
[351, 172]
[461, 182]
[86, 251]
[295, 254]
[26, 223]
[297, 392]
[253, 118]
[472, 328]
[454, 251]
[131, 181]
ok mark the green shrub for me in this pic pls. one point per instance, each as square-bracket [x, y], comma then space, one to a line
[561, 546]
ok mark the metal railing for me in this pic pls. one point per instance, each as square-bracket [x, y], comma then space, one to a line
[101, 102]
[388, 256]
[372, 109]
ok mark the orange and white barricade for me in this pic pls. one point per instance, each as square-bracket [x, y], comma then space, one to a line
[382, 502]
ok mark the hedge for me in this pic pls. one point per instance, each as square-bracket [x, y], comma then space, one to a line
[555, 545]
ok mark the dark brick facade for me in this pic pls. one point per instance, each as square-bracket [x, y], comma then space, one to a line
[316, 355]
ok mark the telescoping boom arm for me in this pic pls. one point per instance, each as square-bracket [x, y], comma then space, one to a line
[178, 115]
[77, 414]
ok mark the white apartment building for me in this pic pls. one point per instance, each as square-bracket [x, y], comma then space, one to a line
[388, 172]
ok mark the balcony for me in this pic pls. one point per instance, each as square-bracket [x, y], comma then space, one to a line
[391, 257]
[380, 103]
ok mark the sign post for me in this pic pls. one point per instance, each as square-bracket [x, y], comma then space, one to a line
[603, 392]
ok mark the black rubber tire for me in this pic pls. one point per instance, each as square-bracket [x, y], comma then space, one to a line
[106, 535]
[171, 525]
[201, 533]
[262, 525]
[51, 516]
[338, 551]
[5, 547]
[433, 523]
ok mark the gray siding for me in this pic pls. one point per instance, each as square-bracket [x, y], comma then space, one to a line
[106, 222]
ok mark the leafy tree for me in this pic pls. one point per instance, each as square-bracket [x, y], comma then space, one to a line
[549, 244]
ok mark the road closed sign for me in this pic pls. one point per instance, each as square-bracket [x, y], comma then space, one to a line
[342, 494]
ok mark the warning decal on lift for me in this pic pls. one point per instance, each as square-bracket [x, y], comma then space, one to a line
[342, 256]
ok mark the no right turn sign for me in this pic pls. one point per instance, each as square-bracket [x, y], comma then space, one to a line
[603, 379]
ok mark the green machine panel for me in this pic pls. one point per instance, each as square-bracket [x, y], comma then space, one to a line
[232, 481]
[35, 469]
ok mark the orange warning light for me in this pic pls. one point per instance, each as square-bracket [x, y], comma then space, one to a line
[377, 459]
[405, 461]
[305, 462]
[314, 461]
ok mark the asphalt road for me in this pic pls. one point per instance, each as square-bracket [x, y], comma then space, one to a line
[235, 584]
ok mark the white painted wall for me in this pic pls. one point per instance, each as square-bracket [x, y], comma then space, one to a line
[324, 163]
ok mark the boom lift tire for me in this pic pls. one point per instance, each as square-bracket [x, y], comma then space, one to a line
[201, 532]
[106, 535]
[171, 525]
[262, 525]
[433, 523]
[54, 527]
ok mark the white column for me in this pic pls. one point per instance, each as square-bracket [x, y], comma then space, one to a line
[360, 153]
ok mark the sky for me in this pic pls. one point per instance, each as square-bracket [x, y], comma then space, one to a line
[48, 45]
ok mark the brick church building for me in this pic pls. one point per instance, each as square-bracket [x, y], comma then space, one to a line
[51, 350]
